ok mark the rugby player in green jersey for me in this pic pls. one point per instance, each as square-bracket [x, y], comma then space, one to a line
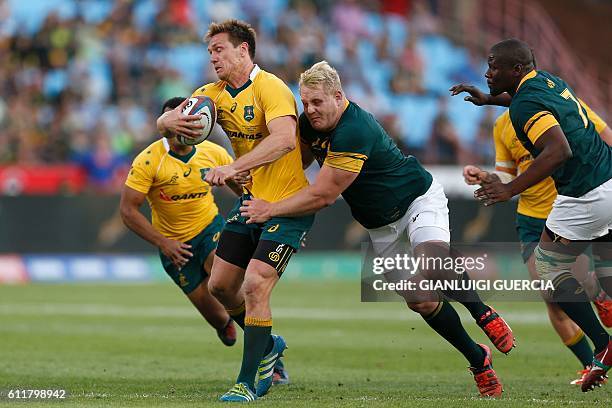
[393, 197]
[552, 125]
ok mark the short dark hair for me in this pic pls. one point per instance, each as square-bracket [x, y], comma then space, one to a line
[238, 32]
[513, 51]
[172, 103]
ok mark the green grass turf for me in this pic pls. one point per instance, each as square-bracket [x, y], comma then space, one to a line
[144, 345]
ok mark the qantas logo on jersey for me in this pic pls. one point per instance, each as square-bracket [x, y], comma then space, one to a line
[179, 197]
[240, 135]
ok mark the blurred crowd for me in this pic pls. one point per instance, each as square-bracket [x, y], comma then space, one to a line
[82, 81]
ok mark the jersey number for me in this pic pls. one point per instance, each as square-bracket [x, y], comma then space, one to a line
[566, 94]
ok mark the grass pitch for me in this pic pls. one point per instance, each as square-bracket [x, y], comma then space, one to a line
[144, 345]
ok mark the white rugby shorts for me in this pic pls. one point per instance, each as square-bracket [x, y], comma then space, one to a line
[583, 218]
[425, 220]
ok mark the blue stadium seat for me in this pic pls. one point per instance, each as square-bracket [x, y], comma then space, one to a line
[375, 24]
[416, 114]
[31, 13]
[397, 28]
[55, 82]
[94, 11]
[190, 60]
[144, 14]
[466, 118]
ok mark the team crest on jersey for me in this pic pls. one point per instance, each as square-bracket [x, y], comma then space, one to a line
[550, 83]
[204, 172]
[249, 113]
[183, 280]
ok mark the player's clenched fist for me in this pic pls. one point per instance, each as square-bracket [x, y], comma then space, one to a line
[218, 175]
[470, 175]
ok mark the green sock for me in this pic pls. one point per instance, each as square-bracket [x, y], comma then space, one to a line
[581, 349]
[238, 315]
[256, 339]
[445, 321]
[568, 294]
[469, 298]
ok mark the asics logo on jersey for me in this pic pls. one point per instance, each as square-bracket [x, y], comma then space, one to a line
[187, 173]
[274, 228]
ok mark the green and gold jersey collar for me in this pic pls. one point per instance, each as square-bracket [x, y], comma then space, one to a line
[529, 75]
[235, 91]
[182, 157]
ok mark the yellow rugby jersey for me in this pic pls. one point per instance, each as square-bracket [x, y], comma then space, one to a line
[181, 201]
[244, 114]
[512, 157]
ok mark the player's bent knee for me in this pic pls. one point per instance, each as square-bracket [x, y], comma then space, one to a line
[217, 289]
[259, 279]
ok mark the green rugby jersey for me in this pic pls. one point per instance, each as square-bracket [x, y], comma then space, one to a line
[543, 101]
[388, 182]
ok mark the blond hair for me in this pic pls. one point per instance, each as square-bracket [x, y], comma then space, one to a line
[324, 74]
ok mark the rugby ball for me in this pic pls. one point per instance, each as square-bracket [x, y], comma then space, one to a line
[200, 105]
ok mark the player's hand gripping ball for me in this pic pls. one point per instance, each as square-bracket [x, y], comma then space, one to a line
[204, 106]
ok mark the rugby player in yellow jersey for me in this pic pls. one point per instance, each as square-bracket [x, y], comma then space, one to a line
[534, 205]
[259, 114]
[186, 224]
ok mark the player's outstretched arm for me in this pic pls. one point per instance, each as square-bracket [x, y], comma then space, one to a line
[330, 183]
[279, 142]
[555, 150]
[131, 200]
[173, 122]
[479, 98]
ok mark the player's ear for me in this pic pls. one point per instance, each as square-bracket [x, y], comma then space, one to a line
[338, 96]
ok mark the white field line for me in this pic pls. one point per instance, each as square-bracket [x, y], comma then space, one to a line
[359, 312]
